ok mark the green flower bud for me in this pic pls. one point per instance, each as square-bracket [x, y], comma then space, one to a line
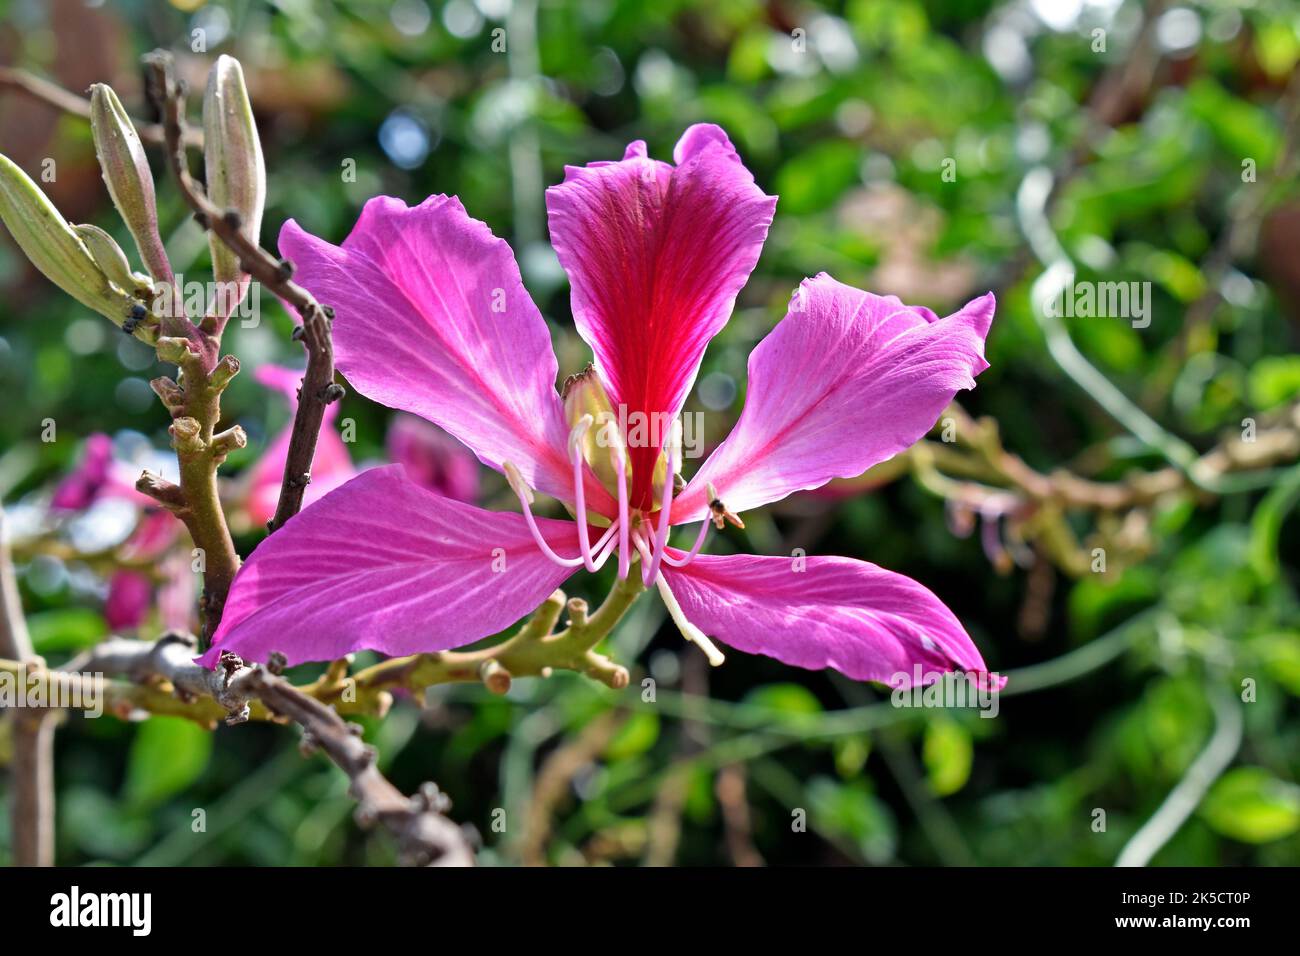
[236, 172]
[126, 172]
[56, 250]
[110, 258]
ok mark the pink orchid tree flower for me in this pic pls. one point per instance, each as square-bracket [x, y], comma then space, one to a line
[99, 473]
[433, 319]
[130, 596]
[331, 467]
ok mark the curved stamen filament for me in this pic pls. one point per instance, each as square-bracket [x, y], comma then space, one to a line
[606, 545]
[689, 630]
[624, 521]
[665, 506]
[690, 555]
[525, 494]
[580, 492]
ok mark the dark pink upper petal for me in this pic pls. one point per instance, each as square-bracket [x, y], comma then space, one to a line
[655, 255]
[845, 381]
[861, 620]
[382, 564]
[432, 318]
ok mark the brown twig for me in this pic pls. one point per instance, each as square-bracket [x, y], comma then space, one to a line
[32, 814]
[978, 474]
[423, 835]
[555, 778]
[318, 386]
[43, 91]
[736, 817]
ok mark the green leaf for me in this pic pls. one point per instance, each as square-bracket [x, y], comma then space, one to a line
[1277, 47]
[167, 755]
[948, 754]
[815, 178]
[1252, 805]
[787, 699]
[1274, 380]
[1241, 128]
[66, 629]
[637, 735]
[851, 755]
[1266, 524]
[853, 811]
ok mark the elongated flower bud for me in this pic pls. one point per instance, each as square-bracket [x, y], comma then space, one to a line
[112, 261]
[126, 172]
[236, 173]
[56, 250]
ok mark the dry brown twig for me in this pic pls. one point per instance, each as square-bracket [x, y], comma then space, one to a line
[56, 97]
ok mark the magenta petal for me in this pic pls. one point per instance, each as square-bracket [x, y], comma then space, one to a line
[655, 255]
[855, 617]
[155, 533]
[286, 381]
[381, 564]
[82, 486]
[432, 318]
[177, 597]
[845, 381]
[130, 593]
[432, 458]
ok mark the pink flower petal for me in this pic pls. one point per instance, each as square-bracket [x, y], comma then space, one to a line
[845, 381]
[861, 620]
[155, 533]
[178, 595]
[433, 459]
[655, 255]
[90, 475]
[433, 318]
[130, 593]
[285, 380]
[381, 564]
[98, 474]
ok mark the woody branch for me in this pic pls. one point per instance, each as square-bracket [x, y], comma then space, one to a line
[160, 678]
[318, 387]
[32, 812]
[423, 835]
